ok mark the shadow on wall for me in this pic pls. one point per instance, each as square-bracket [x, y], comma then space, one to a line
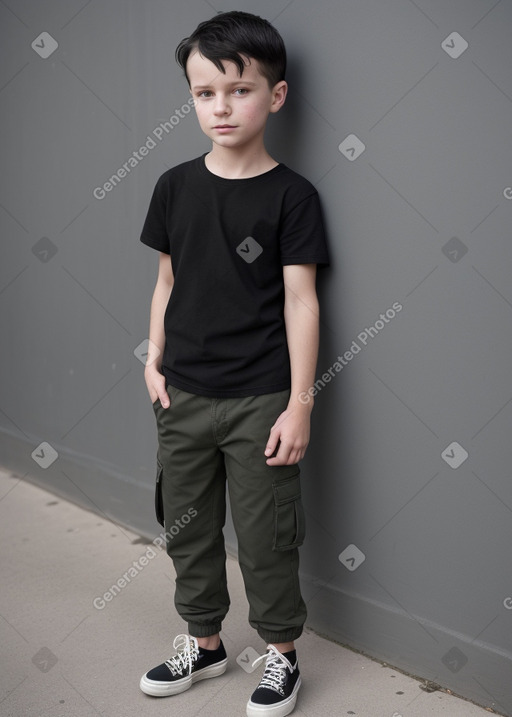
[327, 478]
[285, 133]
[327, 485]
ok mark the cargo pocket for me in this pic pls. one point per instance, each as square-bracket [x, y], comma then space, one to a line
[289, 520]
[159, 507]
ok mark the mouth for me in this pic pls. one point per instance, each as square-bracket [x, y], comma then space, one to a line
[224, 126]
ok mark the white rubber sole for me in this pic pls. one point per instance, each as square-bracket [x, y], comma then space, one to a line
[156, 688]
[281, 709]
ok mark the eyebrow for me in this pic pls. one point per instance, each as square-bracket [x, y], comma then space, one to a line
[241, 81]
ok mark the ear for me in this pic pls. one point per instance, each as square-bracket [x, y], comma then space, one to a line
[279, 92]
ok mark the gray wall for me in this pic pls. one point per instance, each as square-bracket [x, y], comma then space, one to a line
[408, 552]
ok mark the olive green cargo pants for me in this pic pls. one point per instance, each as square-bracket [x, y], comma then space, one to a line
[202, 442]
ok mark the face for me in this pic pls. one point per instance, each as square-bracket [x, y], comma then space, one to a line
[232, 110]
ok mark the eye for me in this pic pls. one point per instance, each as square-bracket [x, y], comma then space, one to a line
[240, 91]
[204, 94]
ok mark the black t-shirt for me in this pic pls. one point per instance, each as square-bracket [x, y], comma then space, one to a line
[228, 240]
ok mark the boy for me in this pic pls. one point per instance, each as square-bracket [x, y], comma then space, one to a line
[233, 344]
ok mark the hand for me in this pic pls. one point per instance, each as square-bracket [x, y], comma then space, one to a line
[291, 433]
[155, 382]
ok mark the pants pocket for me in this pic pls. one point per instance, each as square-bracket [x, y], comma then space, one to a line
[289, 519]
[159, 506]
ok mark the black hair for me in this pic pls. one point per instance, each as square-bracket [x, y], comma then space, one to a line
[234, 36]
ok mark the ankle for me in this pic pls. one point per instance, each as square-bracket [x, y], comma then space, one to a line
[212, 642]
[283, 647]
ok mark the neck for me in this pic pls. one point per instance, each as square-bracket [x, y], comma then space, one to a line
[239, 163]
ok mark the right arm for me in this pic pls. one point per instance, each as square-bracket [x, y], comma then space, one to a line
[155, 380]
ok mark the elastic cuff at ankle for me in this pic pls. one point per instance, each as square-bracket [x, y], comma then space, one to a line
[204, 630]
[289, 635]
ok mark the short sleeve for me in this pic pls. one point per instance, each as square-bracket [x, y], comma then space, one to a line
[302, 236]
[154, 231]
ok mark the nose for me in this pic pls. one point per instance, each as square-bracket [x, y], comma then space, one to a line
[221, 106]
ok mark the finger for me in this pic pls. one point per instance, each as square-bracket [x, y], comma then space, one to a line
[275, 461]
[293, 458]
[298, 456]
[287, 458]
[281, 457]
[158, 385]
[164, 398]
[272, 442]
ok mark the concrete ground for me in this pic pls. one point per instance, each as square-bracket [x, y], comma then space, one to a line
[74, 647]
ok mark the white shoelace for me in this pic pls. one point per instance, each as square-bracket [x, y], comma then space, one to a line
[275, 669]
[187, 652]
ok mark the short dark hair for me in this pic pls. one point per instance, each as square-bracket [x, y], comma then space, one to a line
[233, 36]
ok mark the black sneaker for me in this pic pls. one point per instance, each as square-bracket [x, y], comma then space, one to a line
[190, 664]
[276, 694]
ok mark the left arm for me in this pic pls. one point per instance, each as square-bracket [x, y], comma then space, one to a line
[292, 428]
